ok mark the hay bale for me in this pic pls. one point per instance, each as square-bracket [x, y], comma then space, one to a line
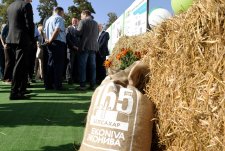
[186, 57]
[187, 63]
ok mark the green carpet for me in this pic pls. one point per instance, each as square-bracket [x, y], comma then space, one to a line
[48, 121]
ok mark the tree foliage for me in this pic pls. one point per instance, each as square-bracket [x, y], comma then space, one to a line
[76, 9]
[112, 17]
[45, 8]
[3, 10]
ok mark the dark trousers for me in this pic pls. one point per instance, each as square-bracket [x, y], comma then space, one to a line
[45, 64]
[56, 64]
[87, 57]
[101, 71]
[19, 80]
[2, 62]
[72, 67]
[31, 59]
[9, 62]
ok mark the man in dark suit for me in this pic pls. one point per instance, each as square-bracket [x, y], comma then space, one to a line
[2, 59]
[20, 36]
[9, 62]
[88, 31]
[73, 42]
[101, 53]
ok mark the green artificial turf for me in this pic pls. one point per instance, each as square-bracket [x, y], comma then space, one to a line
[48, 121]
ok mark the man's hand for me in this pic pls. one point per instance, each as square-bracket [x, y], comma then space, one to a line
[5, 46]
[47, 42]
[54, 35]
[75, 48]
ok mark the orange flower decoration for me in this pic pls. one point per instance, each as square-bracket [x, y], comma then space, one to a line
[123, 49]
[118, 56]
[124, 52]
[137, 54]
[107, 63]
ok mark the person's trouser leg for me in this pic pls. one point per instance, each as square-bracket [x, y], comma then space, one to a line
[58, 53]
[83, 56]
[40, 68]
[70, 66]
[102, 70]
[92, 63]
[2, 62]
[48, 79]
[19, 80]
[72, 59]
[9, 63]
[45, 64]
[68, 69]
[76, 68]
[31, 60]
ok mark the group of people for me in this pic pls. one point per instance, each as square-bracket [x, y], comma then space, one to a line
[51, 50]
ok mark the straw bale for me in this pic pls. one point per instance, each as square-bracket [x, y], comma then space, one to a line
[186, 57]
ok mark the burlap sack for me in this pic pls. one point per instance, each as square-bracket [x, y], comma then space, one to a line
[119, 119]
[135, 75]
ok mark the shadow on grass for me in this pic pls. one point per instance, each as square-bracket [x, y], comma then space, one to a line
[43, 114]
[5, 87]
[39, 88]
[67, 147]
[59, 98]
[5, 91]
[65, 109]
[69, 91]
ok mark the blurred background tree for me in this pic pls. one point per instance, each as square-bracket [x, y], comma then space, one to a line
[76, 9]
[3, 10]
[45, 8]
[112, 17]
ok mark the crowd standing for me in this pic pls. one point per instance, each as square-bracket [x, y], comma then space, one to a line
[50, 51]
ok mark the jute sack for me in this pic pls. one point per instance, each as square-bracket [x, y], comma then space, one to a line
[119, 118]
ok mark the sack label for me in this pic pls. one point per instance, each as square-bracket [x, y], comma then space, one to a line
[113, 117]
[103, 136]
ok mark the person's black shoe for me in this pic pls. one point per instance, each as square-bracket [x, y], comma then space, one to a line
[81, 88]
[70, 82]
[18, 97]
[61, 89]
[7, 81]
[92, 88]
[26, 92]
[29, 85]
[33, 81]
[49, 88]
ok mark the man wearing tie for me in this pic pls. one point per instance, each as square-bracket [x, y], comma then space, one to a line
[73, 43]
[102, 53]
